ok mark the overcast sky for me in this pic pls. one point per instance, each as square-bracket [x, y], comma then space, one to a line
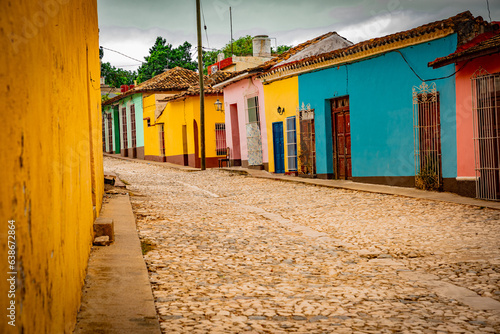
[131, 26]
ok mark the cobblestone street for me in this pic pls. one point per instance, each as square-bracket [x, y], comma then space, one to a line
[235, 254]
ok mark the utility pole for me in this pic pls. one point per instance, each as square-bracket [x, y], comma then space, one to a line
[202, 96]
[231, 24]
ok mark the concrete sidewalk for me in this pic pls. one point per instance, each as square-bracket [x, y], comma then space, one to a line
[117, 297]
[342, 184]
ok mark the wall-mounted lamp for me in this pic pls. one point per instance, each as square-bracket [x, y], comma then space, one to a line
[218, 105]
[281, 111]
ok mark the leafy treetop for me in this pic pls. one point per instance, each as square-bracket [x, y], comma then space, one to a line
[163, 56]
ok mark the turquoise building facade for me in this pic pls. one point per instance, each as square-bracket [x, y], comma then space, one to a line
[379, 91]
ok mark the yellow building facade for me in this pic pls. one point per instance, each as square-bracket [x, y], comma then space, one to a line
[180, 122]
[51, 157]
[152, 108]
[281, 102]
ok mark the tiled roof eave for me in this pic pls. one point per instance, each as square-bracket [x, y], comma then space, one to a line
[120, 97]
[473, 52]
[341, 57]
[440, 62]
[140, 91]
[183, 96]
[244, 75]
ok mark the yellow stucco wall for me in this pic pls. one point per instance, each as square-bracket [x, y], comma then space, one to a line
[183, 112]
[151, 143]
[51, 156]
[151, 134]
[283, 93]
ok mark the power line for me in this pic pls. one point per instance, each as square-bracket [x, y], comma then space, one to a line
[204, 24]
[122, 54]
[434, 79]
[488, 6]
[129, 65]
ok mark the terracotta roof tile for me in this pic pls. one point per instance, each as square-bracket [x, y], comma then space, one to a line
[484, 44]
[454, 23]
[219, 77]
[280, 58]
[209, 81]
[193, 91]
[177, 78]
[289, 53]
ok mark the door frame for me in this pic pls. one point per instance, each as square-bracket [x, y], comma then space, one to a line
[345, 111]
[278, 148]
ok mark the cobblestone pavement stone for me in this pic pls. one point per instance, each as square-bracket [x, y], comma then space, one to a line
[235, 254]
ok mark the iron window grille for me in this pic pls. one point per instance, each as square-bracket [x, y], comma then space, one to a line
[291, 143]
[427, 137]
[110, 132]
[104, 132]
[220, 139]
[307, 147]
[124, 128]
[133, 128]
[161, 137]
[486, 124]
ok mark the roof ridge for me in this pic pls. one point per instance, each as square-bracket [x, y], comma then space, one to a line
[285, 55]
[378, 41]
[177, 78]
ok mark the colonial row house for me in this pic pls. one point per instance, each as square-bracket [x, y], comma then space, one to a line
[374, 112]
[127, 116]
[178, 126]
[250, 134]
[477, 80]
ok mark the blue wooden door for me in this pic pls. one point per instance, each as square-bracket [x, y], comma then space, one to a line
[279, 149]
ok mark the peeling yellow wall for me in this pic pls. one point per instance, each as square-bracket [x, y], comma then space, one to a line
[51, 156]
[285, 94]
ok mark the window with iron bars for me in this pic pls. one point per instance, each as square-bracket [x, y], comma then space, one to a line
[307, 155]
[161, 137]
[104, 132]
[133, 129]
[124, 128]
[486, 120]
[220, 138]
[110, 132]
[291, 142]
[427, 137]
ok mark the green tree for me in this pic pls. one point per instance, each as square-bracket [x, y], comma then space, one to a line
[280, 49]
[115, 77]
[241, 47]
[163, 56]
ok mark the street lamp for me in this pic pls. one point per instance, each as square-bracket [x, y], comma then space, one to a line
[218, 105]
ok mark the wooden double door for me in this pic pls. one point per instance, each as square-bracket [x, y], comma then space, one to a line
[341, 133]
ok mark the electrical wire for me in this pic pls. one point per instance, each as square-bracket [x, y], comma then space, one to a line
[434, 79]
[488, 6]
[122, 54]
[204, 23]
[128, 65]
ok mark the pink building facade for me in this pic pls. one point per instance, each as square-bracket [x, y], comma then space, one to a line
[246, 133]
[465, 128]
[477, 76]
